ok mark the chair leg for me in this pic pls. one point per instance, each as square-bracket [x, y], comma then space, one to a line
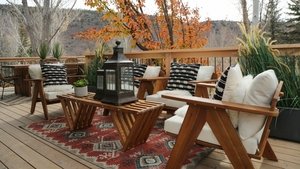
[269, 153]
[34, 98]
[44, 102]
[3, 86]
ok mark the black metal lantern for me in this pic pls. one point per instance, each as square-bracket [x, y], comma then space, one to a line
[115, 79]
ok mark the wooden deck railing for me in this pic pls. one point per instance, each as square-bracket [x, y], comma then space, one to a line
[218, 57]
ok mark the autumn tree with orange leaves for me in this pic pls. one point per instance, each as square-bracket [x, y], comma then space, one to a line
[173, 26]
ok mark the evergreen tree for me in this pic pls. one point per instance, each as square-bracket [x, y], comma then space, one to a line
[293, 23]
[272, 20]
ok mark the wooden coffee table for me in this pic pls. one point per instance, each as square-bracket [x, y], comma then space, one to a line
[134, 121]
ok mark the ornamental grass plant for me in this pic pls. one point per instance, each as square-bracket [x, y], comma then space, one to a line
[256, 56]
[57, 51]
[43, 50]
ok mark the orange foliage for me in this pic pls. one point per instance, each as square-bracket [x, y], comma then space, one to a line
[175, 25]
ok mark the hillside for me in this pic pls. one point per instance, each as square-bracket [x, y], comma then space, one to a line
[223, 33]
[75, 46]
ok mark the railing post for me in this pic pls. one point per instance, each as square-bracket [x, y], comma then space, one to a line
[168, 61]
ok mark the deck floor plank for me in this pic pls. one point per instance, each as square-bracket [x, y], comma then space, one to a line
[10, 159]
[61, 158]
[32, 157]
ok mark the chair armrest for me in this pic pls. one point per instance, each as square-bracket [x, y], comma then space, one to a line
[216, 104]
[151, 85]
[206, 85]
[151, 78]
[203, 89]
[203, 81]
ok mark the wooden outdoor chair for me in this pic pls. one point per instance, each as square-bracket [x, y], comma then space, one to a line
[150, 85]
[47, 93]
[74, 71]
[143, 75]
[207, 122]
[6, 80]
[171, 85]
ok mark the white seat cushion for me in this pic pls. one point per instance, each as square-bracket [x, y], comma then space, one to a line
[52, 91]
[173, 125]
[169, 102]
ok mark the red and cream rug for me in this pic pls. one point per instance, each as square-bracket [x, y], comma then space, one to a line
[100, 144]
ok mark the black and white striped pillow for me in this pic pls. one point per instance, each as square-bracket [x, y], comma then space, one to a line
[181, 75]
[220, 86]
[54, 74]
[138, 71]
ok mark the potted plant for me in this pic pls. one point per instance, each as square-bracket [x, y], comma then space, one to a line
[80, 87]
[57, 51]
[256, 56]
[286, 125]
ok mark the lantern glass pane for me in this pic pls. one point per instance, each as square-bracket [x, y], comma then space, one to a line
[100, 78]
[100, 82]
[110, 79]
[126, 78]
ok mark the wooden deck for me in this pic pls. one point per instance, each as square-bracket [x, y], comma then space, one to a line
[19, 149]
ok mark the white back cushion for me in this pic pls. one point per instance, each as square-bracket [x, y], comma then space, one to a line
[238, 96]
[205, 73]
[35, 71]
[234, 76]
[259, 93]
[152, 71]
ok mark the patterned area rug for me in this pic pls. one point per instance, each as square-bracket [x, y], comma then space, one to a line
[100, 144]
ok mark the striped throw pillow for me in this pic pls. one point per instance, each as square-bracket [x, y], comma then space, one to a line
[138, 71]
[181, 75]
[54, 74]
[220, 86]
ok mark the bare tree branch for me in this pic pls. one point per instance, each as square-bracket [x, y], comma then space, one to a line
[63, 20]
[37, 4]
[17, 10]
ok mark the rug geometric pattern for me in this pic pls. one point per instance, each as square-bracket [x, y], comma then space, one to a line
[100, 144]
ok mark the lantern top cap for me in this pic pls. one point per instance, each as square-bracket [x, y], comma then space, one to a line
[118, 43]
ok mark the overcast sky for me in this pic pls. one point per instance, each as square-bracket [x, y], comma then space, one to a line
[214, 9]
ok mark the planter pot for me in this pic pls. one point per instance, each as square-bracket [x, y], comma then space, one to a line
[81, 91]
[287, 125]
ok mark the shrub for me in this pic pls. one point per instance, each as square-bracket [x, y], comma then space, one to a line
[256, 56]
